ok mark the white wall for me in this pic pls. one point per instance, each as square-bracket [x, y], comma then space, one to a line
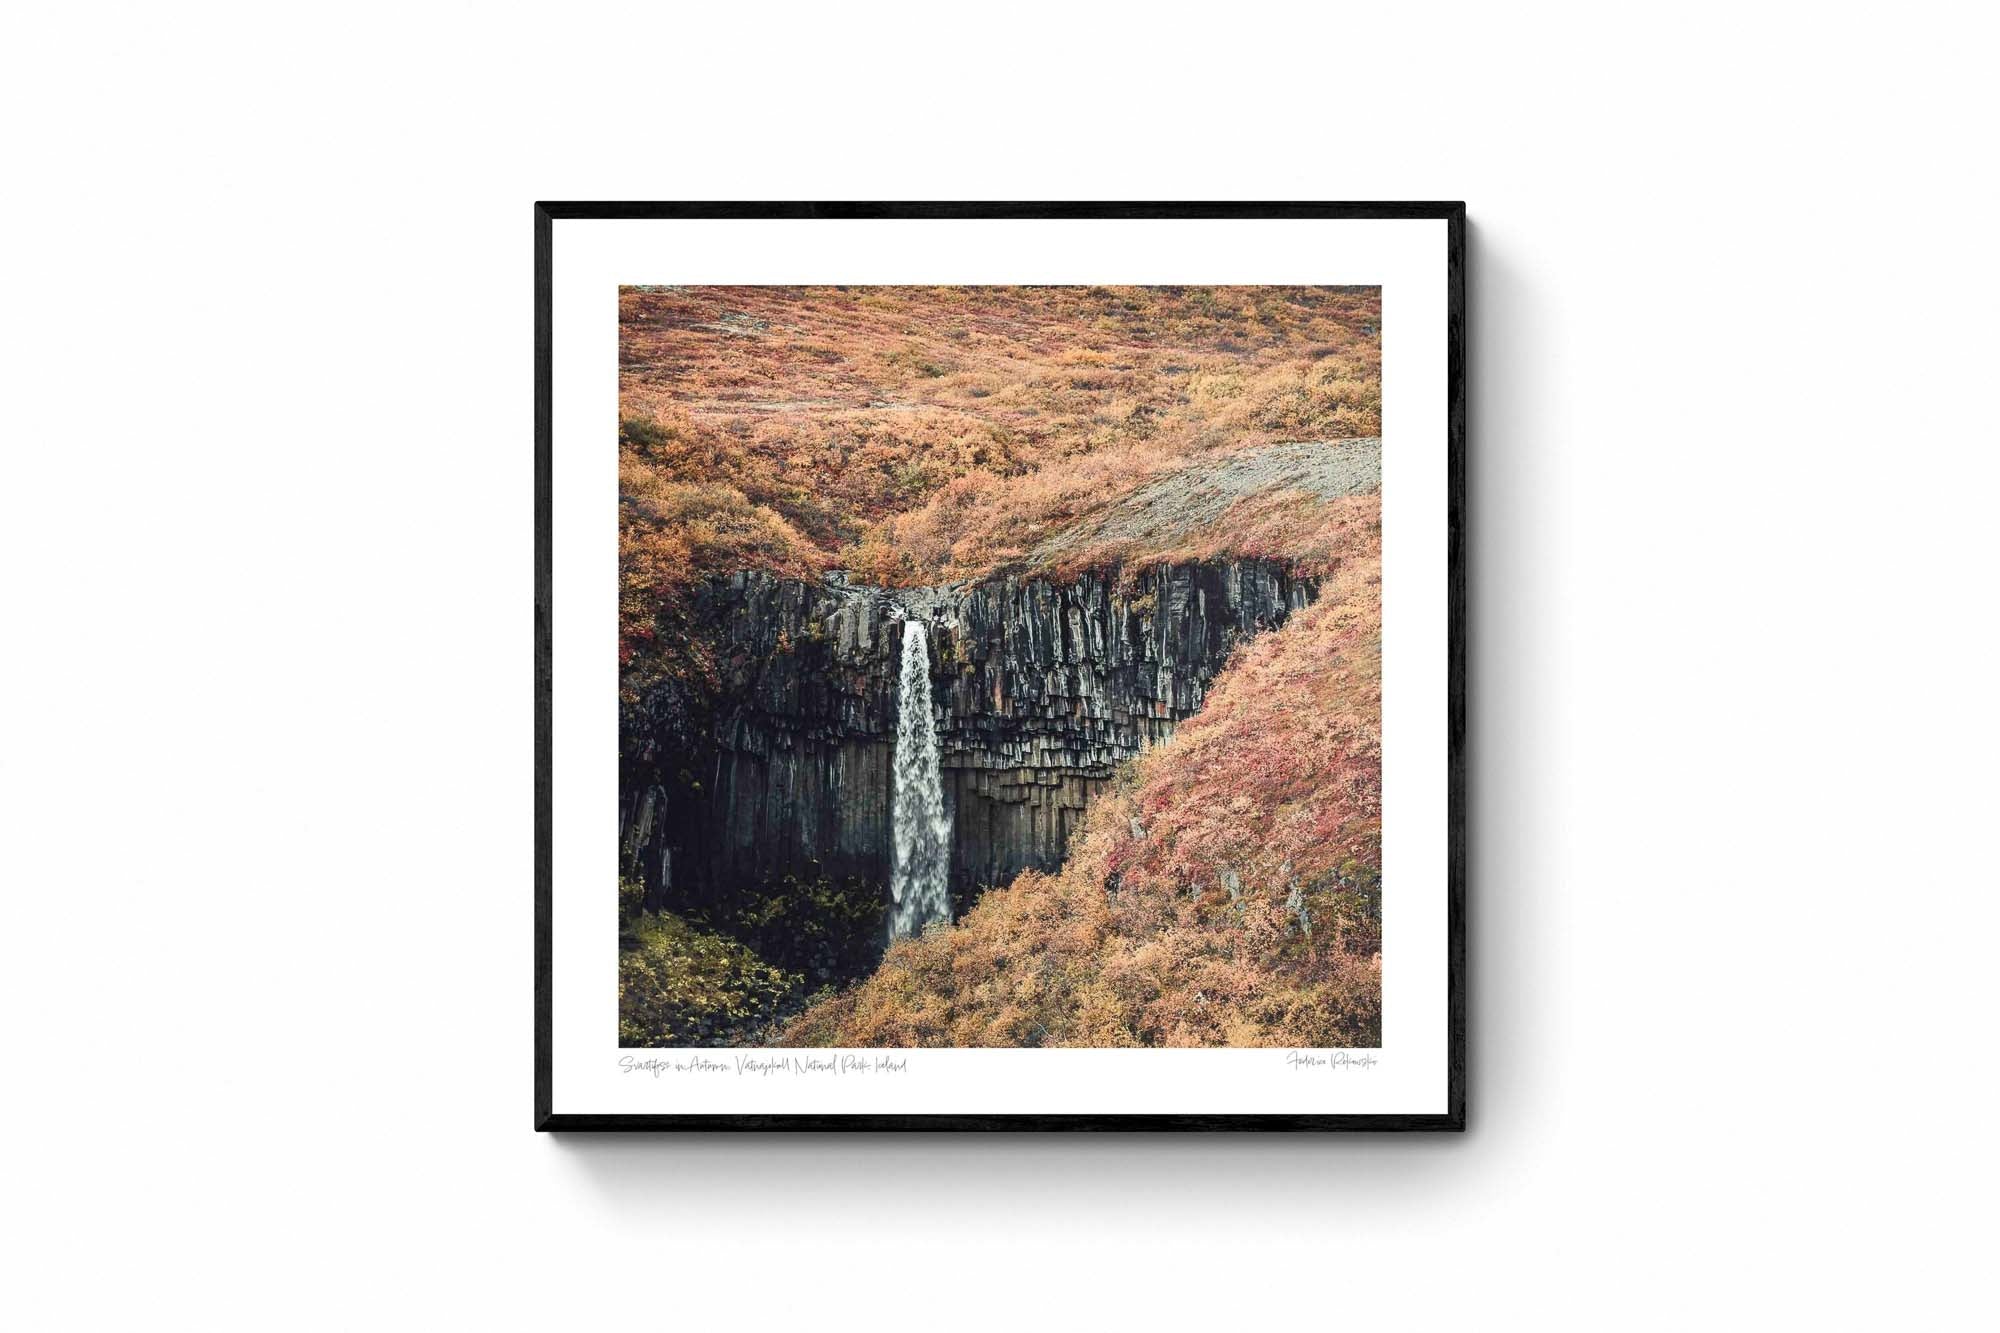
[265, 760]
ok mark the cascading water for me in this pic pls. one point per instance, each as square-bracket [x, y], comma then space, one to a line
[919, 880]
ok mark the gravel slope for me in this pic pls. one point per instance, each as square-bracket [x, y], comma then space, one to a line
[1171, 507]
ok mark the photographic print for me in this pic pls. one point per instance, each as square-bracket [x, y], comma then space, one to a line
[1000, 666]
[998, 732]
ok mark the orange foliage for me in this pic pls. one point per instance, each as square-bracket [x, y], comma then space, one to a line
[997, 412]
[673, 533]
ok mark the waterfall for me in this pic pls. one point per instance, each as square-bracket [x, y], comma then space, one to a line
[919, 881]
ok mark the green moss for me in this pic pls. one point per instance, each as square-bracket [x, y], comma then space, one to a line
[679, 986]
[644, 434]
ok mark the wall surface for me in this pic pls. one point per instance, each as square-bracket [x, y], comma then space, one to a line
[264, 783]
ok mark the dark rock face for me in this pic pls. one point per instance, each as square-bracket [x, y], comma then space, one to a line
[1039, 690]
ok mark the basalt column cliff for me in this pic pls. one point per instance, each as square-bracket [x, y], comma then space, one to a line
[1038, 690]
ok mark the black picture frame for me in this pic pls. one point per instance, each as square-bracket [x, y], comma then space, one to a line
[1453, 1117]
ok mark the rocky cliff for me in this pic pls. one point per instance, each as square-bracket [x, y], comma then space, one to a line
[1039, 690]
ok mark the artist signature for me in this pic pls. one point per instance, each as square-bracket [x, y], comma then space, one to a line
[1329, 1060]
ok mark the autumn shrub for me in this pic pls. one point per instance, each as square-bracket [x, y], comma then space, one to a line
[671, 535]
[849, 415]
[680, 986]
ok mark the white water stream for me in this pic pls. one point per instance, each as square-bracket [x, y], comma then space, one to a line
[920, 878]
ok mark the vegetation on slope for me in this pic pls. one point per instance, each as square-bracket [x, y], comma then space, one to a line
[1227, 892]
[681, 986]
[914, 435]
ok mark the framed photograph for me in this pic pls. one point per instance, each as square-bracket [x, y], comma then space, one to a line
[999, 666]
